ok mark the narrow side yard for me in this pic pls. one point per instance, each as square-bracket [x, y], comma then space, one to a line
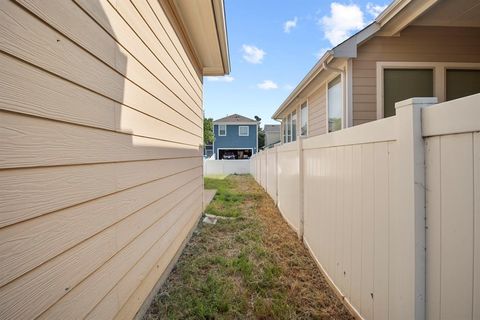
[250, 267]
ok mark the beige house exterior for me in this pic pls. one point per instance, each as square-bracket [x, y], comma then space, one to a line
[432, 48]
[272, 134]
[100, 149]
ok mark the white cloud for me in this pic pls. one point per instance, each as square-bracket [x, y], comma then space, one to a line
[253, 54]
[321, 52]
[221, 79]
[375, 9]
[267, 85]
[342, 21]
[289, 25]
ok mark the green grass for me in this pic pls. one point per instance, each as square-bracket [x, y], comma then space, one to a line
[227, 200]
[241, 268]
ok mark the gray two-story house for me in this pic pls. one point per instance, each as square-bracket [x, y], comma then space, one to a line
[236, 137]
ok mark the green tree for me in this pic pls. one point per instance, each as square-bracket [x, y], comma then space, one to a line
[261, 134]
[208, 136]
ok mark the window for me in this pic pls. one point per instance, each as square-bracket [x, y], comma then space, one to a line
[289, 128]
[294, 126]
[243, 131]
[222, 130]
[304, 119]
[284, 130]
[462, 83]
[401, 84]
[335, 104]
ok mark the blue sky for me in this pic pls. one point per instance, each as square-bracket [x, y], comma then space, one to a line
[273, 44]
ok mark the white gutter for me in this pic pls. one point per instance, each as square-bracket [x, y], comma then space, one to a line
[317, 68]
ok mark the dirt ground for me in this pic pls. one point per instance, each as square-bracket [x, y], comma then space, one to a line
[249, 267]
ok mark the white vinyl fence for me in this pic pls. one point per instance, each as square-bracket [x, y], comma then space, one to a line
[390, 209]
[225, 167]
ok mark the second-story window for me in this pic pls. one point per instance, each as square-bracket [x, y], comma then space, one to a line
[243, 131]
[222, 130]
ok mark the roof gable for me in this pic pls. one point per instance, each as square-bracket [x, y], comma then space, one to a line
[235, 118]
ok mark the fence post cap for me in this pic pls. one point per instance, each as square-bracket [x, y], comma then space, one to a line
[416, 101]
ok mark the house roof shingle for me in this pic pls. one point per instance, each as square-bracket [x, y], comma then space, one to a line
[234, 118]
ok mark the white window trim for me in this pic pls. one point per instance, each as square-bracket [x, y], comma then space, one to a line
[342, 83]
[439, 76]
[308, 116]
[296, 124]
[244, 135]
[222, 135]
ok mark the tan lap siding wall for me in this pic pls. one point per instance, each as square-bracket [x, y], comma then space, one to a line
[317, 112]
[415, 44]
[100, 161]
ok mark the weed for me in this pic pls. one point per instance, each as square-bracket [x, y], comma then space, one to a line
[252, 267]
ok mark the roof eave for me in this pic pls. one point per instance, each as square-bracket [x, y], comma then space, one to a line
[317, 68]
[348, 48]
[206, 32]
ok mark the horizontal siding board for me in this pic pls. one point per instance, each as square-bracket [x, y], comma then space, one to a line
[75, 24]
[137, 298]
[55, 98]
[31, 142]
[163, 21]
[51, 97]
[158, 46]
[100, 154]
[365, 115]
[163, 248]
[80, 300]
[64, 276]
[136, 123]
[317, 112]
[53, 188]
[57, 54]
[112, 21]
[56, 232]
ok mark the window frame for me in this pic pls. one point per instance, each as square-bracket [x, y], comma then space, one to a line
[222, 135]
[439, 77]
[244, 135]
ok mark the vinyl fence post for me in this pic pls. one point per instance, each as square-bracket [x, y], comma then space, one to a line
[407, 217]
